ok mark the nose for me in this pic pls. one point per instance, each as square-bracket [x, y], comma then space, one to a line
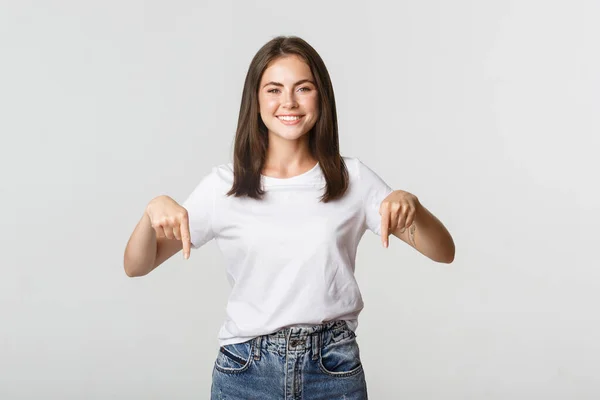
[289, 100]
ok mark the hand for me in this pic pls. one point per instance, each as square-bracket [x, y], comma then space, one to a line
[170, 220]
[397, 210]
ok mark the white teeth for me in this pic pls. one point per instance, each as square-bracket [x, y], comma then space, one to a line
[286, 118]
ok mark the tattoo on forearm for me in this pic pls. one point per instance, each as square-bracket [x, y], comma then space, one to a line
[411, 234]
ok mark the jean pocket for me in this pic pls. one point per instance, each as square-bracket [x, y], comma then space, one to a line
[235, 358]
[341, 357]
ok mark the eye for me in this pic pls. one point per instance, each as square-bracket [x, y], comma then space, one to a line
[272, 90]
[306, 89]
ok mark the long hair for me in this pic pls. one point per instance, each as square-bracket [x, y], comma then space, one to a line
[252, 139]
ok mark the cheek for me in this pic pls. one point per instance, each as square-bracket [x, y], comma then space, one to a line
[310, 103]
[268, 106]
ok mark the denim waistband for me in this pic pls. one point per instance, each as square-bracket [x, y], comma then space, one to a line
[301, 338]
[304, 331]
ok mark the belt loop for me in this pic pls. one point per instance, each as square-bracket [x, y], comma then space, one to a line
[257, 346]
[316, 345]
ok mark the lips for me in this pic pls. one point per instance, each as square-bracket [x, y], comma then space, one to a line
[290, 119]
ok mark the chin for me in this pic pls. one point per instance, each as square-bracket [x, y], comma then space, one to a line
[288, 136]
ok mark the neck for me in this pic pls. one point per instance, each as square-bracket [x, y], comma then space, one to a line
[288, 157]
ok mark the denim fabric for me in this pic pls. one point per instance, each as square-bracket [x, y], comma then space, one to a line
[320, 362]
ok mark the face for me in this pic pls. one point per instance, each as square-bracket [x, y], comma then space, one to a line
[287, 96]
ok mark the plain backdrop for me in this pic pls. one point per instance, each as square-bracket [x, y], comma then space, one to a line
[487, 111]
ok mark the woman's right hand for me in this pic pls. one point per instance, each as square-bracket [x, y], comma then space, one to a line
[170, 220]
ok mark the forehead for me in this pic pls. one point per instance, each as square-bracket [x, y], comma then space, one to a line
[287, 69]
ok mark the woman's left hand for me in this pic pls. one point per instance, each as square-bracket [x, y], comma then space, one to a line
[398, 210]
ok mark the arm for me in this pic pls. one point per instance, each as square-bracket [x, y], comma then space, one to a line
[428, 235]
[400, 209]
[145, 252]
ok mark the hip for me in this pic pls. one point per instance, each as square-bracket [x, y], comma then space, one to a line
[310, 363]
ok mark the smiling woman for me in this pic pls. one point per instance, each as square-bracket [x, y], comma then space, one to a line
[288, 120]
[287, 98]
[288, 215]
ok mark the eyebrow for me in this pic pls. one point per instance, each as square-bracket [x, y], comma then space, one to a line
[295, 84]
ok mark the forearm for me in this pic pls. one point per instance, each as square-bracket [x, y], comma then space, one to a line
[140, 253]
[430, 237]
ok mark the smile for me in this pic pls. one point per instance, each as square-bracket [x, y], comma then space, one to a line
[290, 120]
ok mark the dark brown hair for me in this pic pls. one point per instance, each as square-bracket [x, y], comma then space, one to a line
[251, 138]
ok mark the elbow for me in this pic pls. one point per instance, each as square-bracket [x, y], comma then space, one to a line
[130, 272]
[131, 269]
[133, 273]
[449, 256]
[448, 260]
[443, 259]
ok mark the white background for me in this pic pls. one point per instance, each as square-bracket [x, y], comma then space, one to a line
[485, 110]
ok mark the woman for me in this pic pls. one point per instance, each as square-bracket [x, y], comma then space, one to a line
[288, 215]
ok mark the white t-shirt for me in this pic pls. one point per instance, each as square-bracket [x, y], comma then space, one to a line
[289, 257]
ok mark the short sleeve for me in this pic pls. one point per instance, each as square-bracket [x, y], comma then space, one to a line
[200, 207]
[373, 190]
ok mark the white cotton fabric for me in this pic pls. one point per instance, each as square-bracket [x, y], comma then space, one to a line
[289, 258]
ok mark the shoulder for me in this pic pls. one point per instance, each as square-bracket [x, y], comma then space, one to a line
[352, 164]
[223, 173]
[218, 176]
[366, 177]
[356, 168]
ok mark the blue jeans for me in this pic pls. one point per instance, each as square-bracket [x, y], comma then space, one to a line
[321, 362]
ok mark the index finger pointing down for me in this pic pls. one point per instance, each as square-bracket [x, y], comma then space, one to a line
[185, 238]
[385, 224]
